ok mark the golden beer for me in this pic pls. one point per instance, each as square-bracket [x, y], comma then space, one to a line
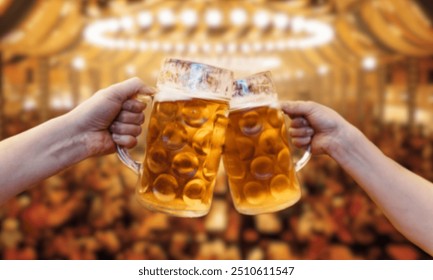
[257, 156]
[184, 138]
[184, 143]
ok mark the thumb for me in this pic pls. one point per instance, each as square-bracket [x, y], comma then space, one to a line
[296, 108]
[128, 88]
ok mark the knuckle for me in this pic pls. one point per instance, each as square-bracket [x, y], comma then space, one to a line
[308, 131]
[124, 116]
[127, 105]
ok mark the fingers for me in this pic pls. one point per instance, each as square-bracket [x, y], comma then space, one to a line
[127, 125]
[125, 90]
[298, 122]
[302, 136]
[297, 108]
[133, 106]
[129, 117]
[126, 141]
[301, 132]
[301, 142]
[125, 134]
[125, 129]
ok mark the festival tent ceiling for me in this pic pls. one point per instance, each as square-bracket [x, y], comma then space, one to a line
[301, 35]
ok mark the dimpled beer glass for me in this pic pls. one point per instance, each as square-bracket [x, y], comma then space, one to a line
[184, 138]
[257, 156]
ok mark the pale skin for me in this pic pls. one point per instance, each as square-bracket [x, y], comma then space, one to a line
[405, 198]
[111, 116]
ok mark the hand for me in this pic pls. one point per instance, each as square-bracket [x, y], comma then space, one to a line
[316, 125]
[112, 116]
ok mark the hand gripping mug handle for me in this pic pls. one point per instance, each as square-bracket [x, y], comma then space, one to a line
[123, 153]
[304, 159]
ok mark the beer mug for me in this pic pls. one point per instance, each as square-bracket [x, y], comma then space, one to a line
[184, 138]
[257, 155]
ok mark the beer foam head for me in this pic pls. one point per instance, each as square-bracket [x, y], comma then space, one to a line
[181, 79]
[254, 91]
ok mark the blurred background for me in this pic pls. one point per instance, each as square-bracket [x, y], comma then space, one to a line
[370, 60]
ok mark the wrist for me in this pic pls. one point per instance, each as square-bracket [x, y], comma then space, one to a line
[345, 143]
[76, 137]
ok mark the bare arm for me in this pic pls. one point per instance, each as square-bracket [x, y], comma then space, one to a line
[404, 197]
[38, 153]
[108, 118]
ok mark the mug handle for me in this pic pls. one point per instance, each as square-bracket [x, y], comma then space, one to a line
[303, 160]
[123, 153]
[305, 157]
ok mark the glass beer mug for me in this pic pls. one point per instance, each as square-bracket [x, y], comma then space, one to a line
[257, 157]
[184, 138]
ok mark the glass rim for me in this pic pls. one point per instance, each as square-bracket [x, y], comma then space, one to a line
[260, 83]
[190, 62]
[195, 78]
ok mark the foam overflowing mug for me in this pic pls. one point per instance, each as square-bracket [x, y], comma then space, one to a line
[257, 156]
[184, 138]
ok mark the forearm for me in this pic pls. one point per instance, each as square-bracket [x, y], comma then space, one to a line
[38, 153]
[405, 198]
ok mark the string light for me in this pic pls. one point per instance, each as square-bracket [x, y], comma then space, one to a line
[323, 70]
[270, 46]
[298, 24]
[130, 70]
[238, 17]
[281, 21]
[180, 47]
[206, 48]
[245, 48]
[219, 48]
[369, 63]
[145, 19]
[78, 63]
[231, 48]
[192, 48]
[315, 32]
[214, 18]
[258, 46]
[167, 47]
[166, 17]
[262, 19]
[155, 45]
[189, 18]
[29, 104]
[126, 23]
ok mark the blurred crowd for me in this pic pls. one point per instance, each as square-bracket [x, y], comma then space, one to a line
[89, 212]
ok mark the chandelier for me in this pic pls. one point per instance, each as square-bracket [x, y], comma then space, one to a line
[221, 28]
